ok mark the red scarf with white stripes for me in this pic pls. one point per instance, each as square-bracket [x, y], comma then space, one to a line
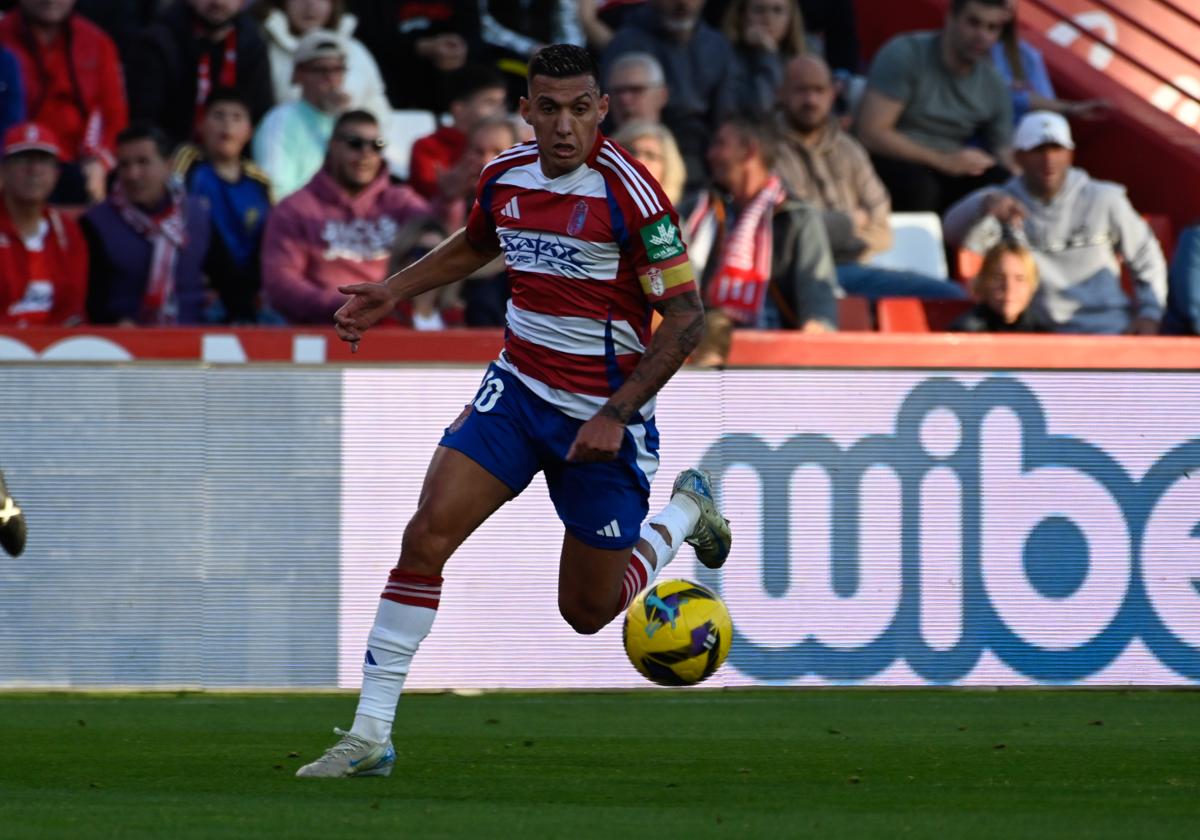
[167, 234]
[738, 287]
[204, 83]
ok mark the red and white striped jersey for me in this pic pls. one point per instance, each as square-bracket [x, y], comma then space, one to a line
[587, 253]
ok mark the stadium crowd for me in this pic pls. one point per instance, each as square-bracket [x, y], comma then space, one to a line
[228, 162]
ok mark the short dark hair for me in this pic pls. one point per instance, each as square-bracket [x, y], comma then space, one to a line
[354, 116]
[470, 79]
[563, 61]
[137, 131]
[226, 94]
[956, 6]
[761, 132]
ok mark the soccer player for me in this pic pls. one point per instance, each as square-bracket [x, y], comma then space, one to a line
[591, 244]
[12, 522]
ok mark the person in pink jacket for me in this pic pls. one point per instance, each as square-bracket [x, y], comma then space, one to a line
[338, 228]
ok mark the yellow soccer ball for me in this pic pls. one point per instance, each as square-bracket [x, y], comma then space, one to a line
[677, 633]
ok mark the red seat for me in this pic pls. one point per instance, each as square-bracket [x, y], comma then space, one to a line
[940, 314]
[912, 315]
[1161, 225]
[901, 315]
[966, 265]
[854, 314]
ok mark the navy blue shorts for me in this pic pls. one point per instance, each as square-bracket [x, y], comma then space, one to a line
[513, 433]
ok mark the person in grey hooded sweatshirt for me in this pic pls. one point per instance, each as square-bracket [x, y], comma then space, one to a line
[1077, 227]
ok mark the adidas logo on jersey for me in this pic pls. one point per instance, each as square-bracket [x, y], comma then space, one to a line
[612, 529]
[511, 210]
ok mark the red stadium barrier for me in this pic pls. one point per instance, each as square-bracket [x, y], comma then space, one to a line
[751, 348]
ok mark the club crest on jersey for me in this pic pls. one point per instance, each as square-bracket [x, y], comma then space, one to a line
[657, 284]
[578, 218]
[661, 239]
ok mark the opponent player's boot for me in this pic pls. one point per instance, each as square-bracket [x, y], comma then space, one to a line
[711, 537]
[12, 522]
[351, 756]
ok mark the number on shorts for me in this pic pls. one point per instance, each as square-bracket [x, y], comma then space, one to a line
[489, 393]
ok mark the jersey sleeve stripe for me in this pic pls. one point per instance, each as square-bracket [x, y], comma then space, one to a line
[637, 199]
[632, 182]
[582, 336]
[648, 192]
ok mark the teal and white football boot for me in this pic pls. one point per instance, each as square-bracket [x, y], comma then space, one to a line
[711, 537]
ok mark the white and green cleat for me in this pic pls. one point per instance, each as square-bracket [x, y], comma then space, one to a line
[351, 756]
[711, 537]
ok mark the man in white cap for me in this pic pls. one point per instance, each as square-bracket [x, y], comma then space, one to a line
[1076, 227]
[291, 141]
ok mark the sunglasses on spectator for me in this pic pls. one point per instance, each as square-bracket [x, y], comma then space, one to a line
[357, 143]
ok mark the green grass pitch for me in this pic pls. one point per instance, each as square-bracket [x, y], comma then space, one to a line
[679, 764]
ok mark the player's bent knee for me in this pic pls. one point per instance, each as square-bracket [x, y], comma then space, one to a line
[424, 550]
[585, 620]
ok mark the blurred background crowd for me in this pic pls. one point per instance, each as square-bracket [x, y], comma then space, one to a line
[225, 162]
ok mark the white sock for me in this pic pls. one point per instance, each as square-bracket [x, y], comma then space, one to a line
[395, 637]
[664, 552]
[645, 566]
[679, 517]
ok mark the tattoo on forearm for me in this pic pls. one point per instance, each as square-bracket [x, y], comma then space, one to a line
[676, 338]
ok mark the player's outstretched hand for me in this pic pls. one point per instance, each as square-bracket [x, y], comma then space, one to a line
[369, 304]
[599, 439]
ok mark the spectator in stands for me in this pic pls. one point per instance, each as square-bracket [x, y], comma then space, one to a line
[653, 145]
[1182, 316]
[339, 228]
[762, 255]
[12, 91]
[697, 63]
[830, 29]
[1077, 228]
[1022, 67]
[765, 34]
[456, 187]
[636, 89]
[485, 293]
[147, 242]
[928, 95]
[1004, 289]
[477, 93]
[287, 21]
[513, 30]
[827, 168]
[416, 44]
[291, 141]
[599, 19]
[238, 196]
[416, 239]
[122, 20]
[43, 258]
[73, 86]
[193, 47]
